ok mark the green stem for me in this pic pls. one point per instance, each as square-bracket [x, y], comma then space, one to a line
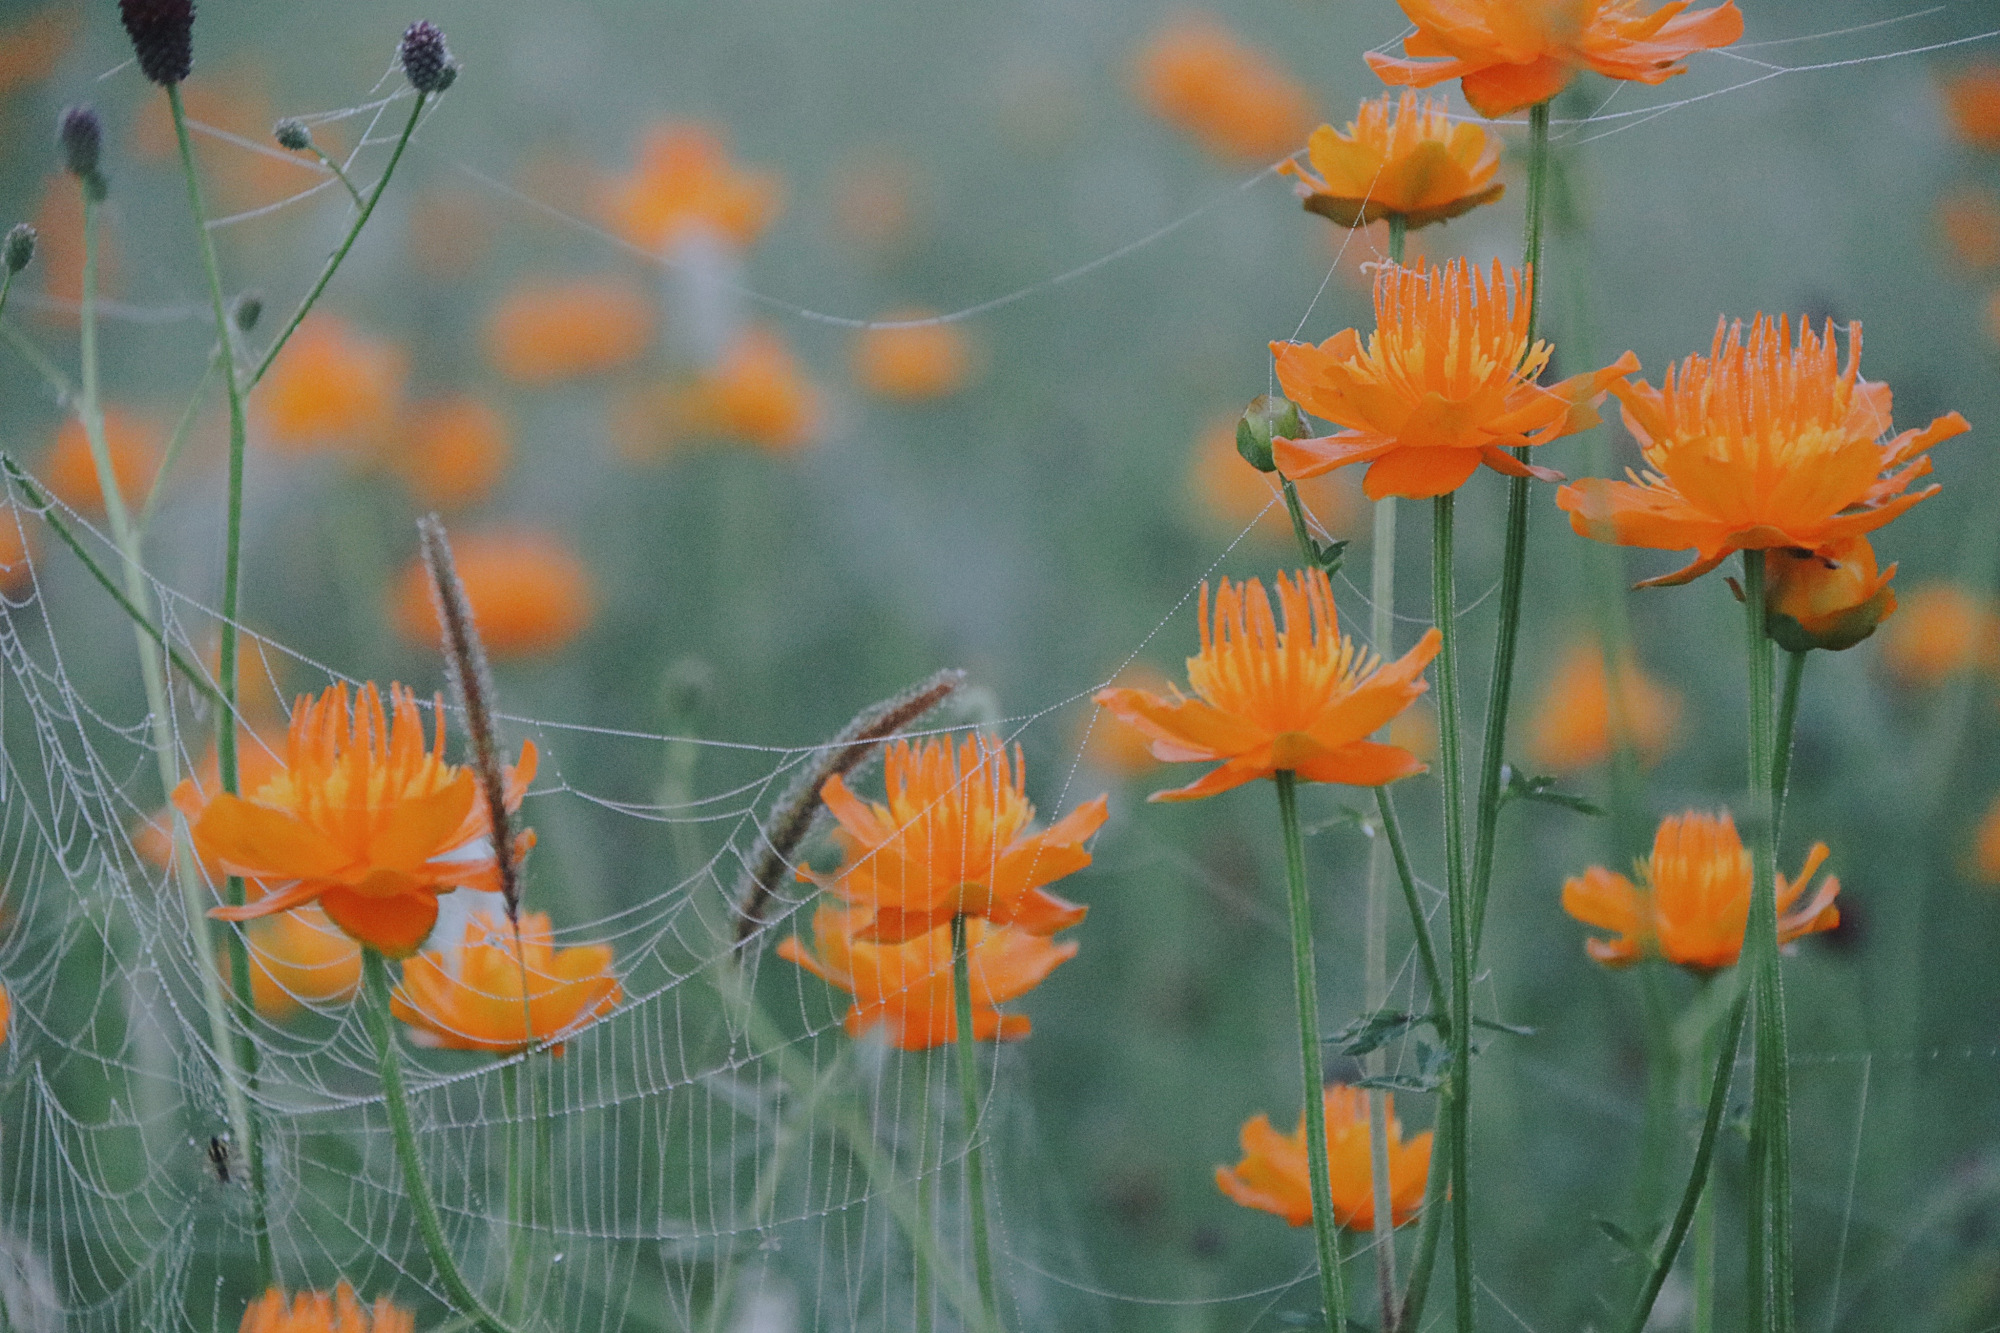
[1386, 807]
[375, 1015]
[339, 175]
[968, 1089]
[1305, 987]
[177, 442]
[520, 1222]
[1297, 510]
[1694, 1192]
[1399, 228]
[1432, 1226]
[926, 1205]
[6, 285]
[1781, 754]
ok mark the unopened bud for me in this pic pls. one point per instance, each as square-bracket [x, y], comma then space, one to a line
[162, 33]
[80, 137]
[1831, 599]
[426, 60]
[1268, 417]
[292, 133]
[249, 309]
[20, 246]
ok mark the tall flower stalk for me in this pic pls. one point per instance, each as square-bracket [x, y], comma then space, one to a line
[968, 1086]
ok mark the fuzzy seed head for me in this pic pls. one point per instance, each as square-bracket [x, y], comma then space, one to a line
[291, 133]
[162, 33]
[426, 60]
[20, 246]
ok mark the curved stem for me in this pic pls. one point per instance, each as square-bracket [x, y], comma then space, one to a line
[968, 1087]
[1432, 1227]
[1305, 986]
[1386, 807]
[375, 1016]
[1781, 754]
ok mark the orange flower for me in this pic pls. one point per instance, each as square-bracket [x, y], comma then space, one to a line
[757, 394]
[1761, 444]
[1302, 698]
[1223, 486]
[19, 549]
[454, 451]
[362, 818]
[30, 48]
[1943, 630]
[331, 388]
[1693, 898]
[298, 958]
[1832, 599]
[1985, 848]
[1446, 382]
[1412, 163]
[542, 332]
[1972, 104]
[1969, 222]
[317, 1312]
[952, 838]
[1236, 102]
[684, 182]
[469, 998]
[59, 248]
[1111, 744]
[529, 593]
[70, 473]
[1512, 54]
[1571, 727]
[906, 988]
[1273, 1178]
[6, 1012]
[914, 362]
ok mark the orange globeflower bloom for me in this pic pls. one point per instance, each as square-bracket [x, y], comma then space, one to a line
[1197, 76]
[915, 362]
[454, 451]
[1943, 630]
[1411, 163]
[1972, 103]
[70, 473]
[1111, 744]
[906, 988]
[331, 388]
[469, 997]
[1273, 1175]
[952, 838]
[318, 1312]
[1693, 898]
[542, 333]
[1969, 222]
[685, 183]
[529, 592]
[1301, 698]
[363, 819]
[757, 394]
[1445, 383]
[1512, 54]
[1832, 599]
[1761, 444]
[1572, 726]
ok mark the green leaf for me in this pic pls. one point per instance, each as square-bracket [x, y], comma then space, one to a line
[1371, 1032]
[1631, 1246]
[1542, 789]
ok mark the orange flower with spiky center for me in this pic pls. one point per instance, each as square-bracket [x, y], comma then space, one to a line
[1300, 697]
[470, 997]
[1692, 901]
[1830, 599]
[331, 388]
[1943, 630]
[685, 183]
[363, 818]
[322, 1312]
[1511, 54]
[1972, 103]
[546, 332]
[1410, 162]
[1578, 716]
[530, 593]
[1234, 100]
[915, 361]
[1274, 1177]
[952, 838]
[906, 989]
[1763, 443]
[1446, 382]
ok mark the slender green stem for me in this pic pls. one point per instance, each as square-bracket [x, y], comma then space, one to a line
[1297, 510]
[1432, 1226]
[968, 1089]
[177, 442]
[1399, 228]
[6, 285]
[1704, 1155]
[375, 1015]
[1392, 827]
[1311, 1072]
[926, 1203]
[1781, 754]
[39, 361]
[331, 165]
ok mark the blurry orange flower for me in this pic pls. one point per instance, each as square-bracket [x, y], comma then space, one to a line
[1110, 743]
[30, 47]
[454, 451]
[952, 837]
[59, 247]
[1571, 727]
[1225, 487]
[331, 388]
[6, 1012]
[915, 362]
[1301, 698]
[298, 958]
[363, 818]
[544, 332]
[530, 593]
[1985, 848]
[1446, 382]
[1512, 54]
[757, 394]
[1416, 729]
[1972, 103]
[1761, 444]
[1273, 1175]
[684, 182]
[1969, 222]
[1196, 75]
[317, 1312]
[1830, 599]
[1943, 629]
[469, 997]
[18, 552]
[449, 232]
[906, 988]
[1412, 162]
[1693, 898]
[70, 473]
